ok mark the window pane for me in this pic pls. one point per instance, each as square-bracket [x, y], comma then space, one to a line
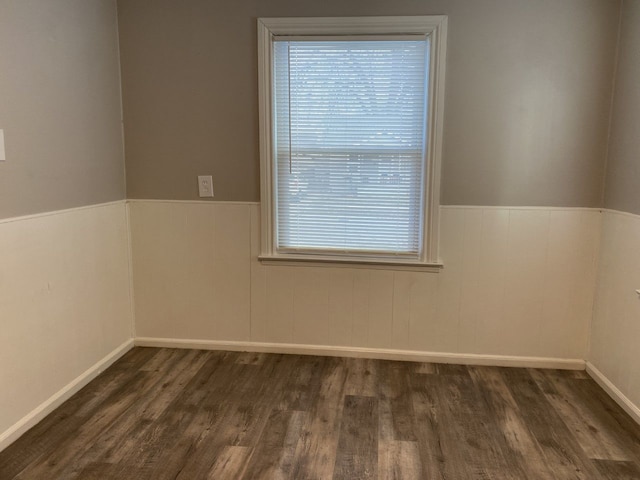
[349, 140]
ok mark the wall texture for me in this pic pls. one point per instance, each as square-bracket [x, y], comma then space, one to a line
[59, 105]
[615, 332]
[64, 306]
[527, 104]
[623, 167]
[516, 283]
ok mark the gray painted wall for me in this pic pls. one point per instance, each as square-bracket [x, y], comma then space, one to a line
[623, 167]
[528, 95]
[59, 105]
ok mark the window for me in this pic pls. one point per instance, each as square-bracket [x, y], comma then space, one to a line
[351, 126]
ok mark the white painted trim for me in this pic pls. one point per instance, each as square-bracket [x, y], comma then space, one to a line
[621, 213]
[596, 264]
[132, 296]
[195, 202]
[614, 392]
[265, 116]
[60, 212]
[32, 418]
[435, 26]
[353, 25]
[357, 352]
[449, 207]
[435, 135]
[508, 207]
[370, 263]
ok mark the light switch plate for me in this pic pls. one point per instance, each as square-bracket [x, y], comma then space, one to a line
[205, 185]
[3, 156]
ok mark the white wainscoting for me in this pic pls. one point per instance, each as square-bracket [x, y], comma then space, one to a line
[518, 283]
[614, 358]
[65, 311]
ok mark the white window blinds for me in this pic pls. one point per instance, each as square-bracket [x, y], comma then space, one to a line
[349, 133]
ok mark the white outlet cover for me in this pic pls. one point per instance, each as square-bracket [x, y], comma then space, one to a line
[3, 156]
[205, 185]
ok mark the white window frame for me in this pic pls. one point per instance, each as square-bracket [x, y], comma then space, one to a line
[433, 26]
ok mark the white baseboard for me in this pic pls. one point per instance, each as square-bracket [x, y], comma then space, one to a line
[19, 428]
[383, 354]
[613, 391]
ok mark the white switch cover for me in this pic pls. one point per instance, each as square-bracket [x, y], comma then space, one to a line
[205, 185]
[3, 156]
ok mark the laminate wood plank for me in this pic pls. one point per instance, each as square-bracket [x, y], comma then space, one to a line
[174, 414]
[578, 413]
[263, 397]
[107, 471]
[166, 446]
[357, 455]
[250, 358]
[229, 465]
[125, 434]
[217, 421]
[45, 437]
[399, 460]
[471, 440]
[246, 423]
[316, 450]
[157, 363]
[267, 454]
[561, 451]
[177, 438]
[220, 423]
[362, 377]
[64, 452]
[243, 380]
[272, 458]
[111, 380]
[562, 374]
[451, 369]
[294, 433]
[394, 388]
[385, 420]
[304, 383]
[229, 381]
[520, 446]
[613, 420]
[425, 368]
[614, 470]
[208, 446]
[213, 433]
[427, 410]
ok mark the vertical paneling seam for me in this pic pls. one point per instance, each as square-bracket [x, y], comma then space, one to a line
[250, 273]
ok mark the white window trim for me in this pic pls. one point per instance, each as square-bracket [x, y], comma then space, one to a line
[435, 26]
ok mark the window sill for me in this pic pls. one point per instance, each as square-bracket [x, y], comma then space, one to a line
[370, 263]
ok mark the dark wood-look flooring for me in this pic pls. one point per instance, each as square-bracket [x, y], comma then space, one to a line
[185, 414]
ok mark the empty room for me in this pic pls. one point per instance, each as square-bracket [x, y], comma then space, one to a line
[337, 239]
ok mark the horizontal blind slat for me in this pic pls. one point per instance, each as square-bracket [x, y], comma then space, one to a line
[349, 143]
